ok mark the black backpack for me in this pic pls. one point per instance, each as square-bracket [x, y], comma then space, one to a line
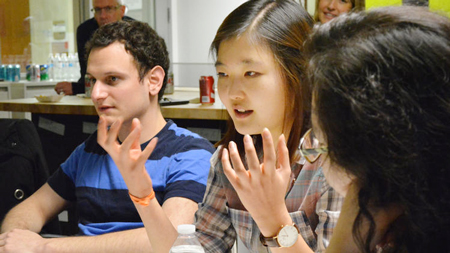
[23, 168]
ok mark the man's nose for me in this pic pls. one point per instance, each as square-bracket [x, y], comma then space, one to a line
[97, 91]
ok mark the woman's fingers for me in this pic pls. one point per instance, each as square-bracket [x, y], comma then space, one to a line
[284, 166]
[252, 156]
[270, 157]
[236, 159]
[228, 169]
[283, 154]
[234, 167]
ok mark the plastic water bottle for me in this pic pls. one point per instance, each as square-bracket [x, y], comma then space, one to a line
[187, 241]
[65, 71]
[50, 61]
[69, 67]
[57, 67]
[72, 67]
[77, 67]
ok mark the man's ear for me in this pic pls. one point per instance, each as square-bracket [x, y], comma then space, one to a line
[155, 79]
[122, 11]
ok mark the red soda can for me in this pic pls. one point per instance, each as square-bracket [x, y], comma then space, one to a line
[207, 95]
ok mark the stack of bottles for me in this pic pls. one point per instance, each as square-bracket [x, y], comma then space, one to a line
[63, 67]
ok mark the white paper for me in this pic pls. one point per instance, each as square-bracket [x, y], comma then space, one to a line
[51, 126]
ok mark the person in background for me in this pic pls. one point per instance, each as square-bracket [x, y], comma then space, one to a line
[127, 62]
[326, 10]
[105, 12]
[380, 124]
[259, 66]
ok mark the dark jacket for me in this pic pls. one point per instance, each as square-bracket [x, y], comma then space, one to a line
[23, 168]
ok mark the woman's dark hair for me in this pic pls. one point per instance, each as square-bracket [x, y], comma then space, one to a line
[141, 41]
[381, 89]
[282, 26]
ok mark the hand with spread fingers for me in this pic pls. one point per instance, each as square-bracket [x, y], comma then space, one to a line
[261, 188]
[128, 156]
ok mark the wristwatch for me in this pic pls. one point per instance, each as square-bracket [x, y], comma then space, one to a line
[286, 237]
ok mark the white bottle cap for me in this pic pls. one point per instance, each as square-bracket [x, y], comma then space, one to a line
[186, 229]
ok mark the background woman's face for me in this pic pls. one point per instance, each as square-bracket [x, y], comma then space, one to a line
[329, 9]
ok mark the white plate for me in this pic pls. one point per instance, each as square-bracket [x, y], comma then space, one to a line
[82, 95]
[49, 98]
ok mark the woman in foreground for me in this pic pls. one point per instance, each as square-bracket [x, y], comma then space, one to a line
[259, 65]
[381, 125]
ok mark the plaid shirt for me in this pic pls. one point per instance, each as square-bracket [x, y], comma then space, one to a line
[313, 205]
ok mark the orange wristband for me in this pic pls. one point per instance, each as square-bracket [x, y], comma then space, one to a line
[145, 201]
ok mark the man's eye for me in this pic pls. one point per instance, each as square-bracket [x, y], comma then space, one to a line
[91, 81]
[221, 74]
[111, 79]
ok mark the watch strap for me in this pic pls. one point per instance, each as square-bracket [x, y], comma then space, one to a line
[269, 241]
[273, 241]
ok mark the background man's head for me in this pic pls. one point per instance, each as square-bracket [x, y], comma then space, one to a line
[146, 47]
[108, 11]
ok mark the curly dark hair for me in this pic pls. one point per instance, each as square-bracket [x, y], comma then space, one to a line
[141, 41]
[282, 26]
[381, 89]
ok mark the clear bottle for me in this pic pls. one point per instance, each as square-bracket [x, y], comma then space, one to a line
[187, 241]
[70, 67]
[65, 71]
[77, 67]
[57, 67]
[51, 69]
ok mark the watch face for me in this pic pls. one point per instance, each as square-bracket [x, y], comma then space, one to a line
[287, 236]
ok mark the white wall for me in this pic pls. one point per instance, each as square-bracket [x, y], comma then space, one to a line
[43, 28]
[188, 28]
[194, 24]
[311, 7]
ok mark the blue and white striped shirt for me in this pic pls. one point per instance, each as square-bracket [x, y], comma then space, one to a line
[178, 166]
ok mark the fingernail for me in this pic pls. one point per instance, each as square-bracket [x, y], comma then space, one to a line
[224, 152]
[247, 139]
[232, 145]
[266, 133]
[283, 138]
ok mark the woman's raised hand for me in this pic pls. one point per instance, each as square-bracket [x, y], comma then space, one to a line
[128, 156]
[261, 188]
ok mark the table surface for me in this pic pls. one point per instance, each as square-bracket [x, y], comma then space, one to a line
[78, 105]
